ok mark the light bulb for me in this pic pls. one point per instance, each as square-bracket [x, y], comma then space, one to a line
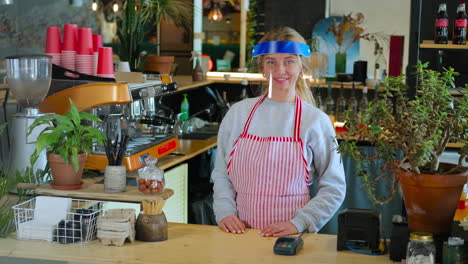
[115, 7]
[94, 6]
[215, 14]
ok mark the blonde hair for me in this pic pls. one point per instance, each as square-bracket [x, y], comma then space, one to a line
[289, 34]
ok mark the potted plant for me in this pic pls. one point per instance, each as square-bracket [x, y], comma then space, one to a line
[410, 138]
[67, 141]
[130, 33]
[178, 12]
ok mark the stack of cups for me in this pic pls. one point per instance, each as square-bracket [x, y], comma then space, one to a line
[97, 43]
[54, 44]
[105, 66]
[69, 46]
[84, 51]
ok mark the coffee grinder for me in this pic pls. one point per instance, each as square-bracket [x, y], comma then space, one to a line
[29, 78]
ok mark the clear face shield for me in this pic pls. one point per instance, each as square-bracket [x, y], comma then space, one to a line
[275, 47]
[270, 47]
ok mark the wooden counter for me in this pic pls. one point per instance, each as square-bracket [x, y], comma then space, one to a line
[191, 244]
[188, 148]
[185, 82]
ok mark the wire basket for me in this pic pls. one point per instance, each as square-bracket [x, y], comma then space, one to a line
[78, 224]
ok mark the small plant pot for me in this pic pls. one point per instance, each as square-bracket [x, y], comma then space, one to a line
[115, 178]
[64, 174]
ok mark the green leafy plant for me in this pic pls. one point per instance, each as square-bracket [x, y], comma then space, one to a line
[178, 12]
[412, 134]
[66, 135]
[8, 181]
[130, 33]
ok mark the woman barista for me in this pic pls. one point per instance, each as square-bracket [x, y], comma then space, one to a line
[269, 145]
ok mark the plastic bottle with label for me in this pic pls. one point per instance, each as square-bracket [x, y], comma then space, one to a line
[461, 213]
[459, 27]
[184, 108]
[441, 25]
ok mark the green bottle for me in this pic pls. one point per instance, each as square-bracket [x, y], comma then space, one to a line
[184, 108]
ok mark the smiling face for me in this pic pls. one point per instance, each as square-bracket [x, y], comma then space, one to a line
[284, 69]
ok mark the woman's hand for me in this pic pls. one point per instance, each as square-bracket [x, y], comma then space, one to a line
[279, 229]
[233, 224]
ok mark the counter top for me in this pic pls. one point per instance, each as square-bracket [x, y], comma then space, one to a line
[188, 148]
[191, 244]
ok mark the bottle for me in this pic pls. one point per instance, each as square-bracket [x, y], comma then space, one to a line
[376, 92]
[330, 103]
[459, 27]
[441, 60]
[453, 251]
[398, 113]
[363, 103]
[380, 66]
[420, 248]
[318, 99]
[441, 25]
[341, 106]
[197, 73]
[352, 101]
[243, 94]
[461, 213]
[184, 109]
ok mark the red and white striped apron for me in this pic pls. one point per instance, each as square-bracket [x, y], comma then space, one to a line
[269, 174]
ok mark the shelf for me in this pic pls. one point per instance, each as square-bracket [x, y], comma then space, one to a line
[95, 191]
[454, 92]
[429, 44]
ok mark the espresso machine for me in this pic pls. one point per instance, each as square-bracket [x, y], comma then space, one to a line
[124, 108]
[29, 78]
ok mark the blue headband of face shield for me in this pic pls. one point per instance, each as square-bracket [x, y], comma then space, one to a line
[291, 47]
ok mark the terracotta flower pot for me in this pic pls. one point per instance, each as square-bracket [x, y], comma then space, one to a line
[161, 64]
[64, 174]
[431, 200]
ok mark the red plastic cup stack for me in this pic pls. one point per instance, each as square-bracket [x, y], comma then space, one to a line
[97, 43]
[68, 59]
[54, 44]
[84, 51]
[105, 63]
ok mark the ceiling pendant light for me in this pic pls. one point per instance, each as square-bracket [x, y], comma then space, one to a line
[94, 6]
[215, 14]
[6, 2]
[115, 7]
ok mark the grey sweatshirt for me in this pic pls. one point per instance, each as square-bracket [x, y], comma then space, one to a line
[277, 119]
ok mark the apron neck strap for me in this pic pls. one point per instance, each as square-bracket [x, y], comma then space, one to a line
[297, 116]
